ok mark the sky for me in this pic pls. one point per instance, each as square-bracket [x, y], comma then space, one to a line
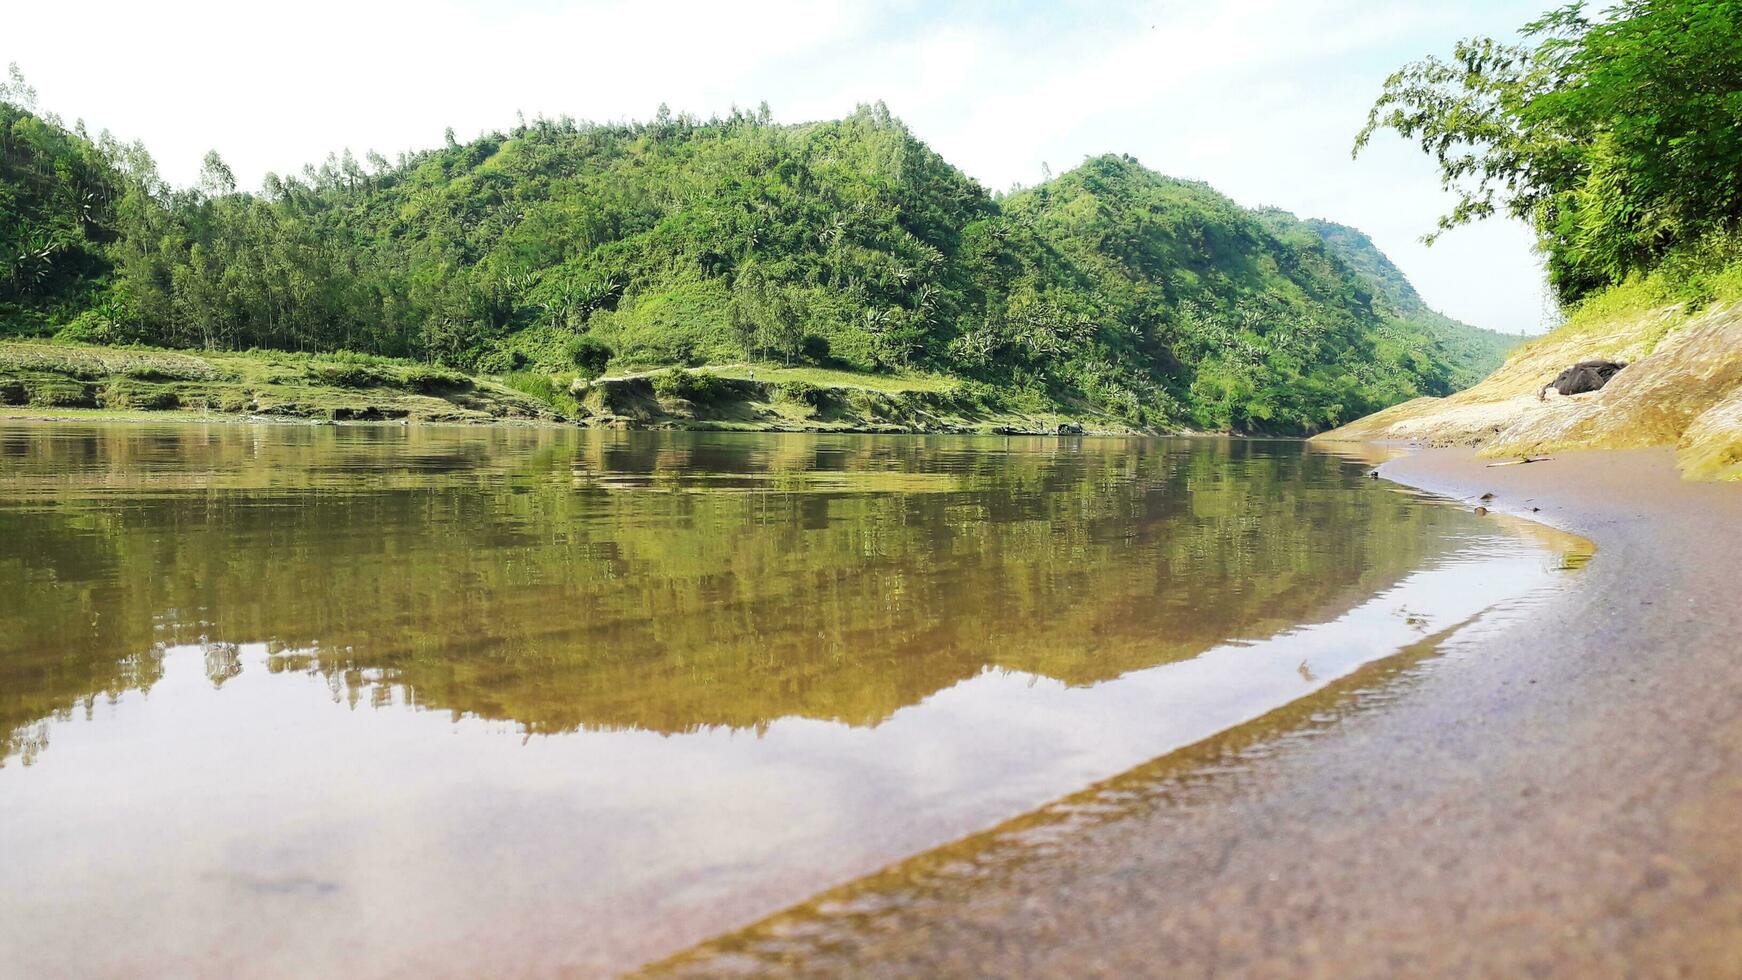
[1260, 98]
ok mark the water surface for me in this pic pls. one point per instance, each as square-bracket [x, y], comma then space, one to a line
[379, 700]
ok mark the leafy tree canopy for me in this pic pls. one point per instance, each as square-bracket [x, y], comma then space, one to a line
[1617, 135]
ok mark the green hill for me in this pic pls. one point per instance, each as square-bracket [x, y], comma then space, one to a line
[1471, 353]
[560, 249]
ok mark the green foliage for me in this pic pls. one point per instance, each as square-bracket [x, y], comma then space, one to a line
[699, 388]
[57, 196]
[430, 379]
[1618, 136]
[804, 393]
[589, 355]
[561, 248]
[129, 394]
[351, 375]
[551, 390]
[1469, 353]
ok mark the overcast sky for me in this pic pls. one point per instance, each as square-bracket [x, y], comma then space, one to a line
[1261, 98]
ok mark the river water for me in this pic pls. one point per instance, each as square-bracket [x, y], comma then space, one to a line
[287, 700]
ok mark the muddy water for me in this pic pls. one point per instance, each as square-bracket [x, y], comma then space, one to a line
[288, 700]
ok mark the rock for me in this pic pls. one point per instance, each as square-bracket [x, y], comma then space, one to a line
[1070, 429]
[1584, 376]
[1481, 512]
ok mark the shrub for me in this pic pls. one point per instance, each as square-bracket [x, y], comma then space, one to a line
[89, 327]
[804, 393]
[816, 349]
[588, 354]
[430, 380]
[698, 389]
[552, 391]
[351, 375]
[501, 360]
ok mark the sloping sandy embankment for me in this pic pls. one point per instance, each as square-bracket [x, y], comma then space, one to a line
[1682, 387]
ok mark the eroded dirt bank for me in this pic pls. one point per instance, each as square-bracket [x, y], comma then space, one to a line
[1682, 387]
[1558, 799]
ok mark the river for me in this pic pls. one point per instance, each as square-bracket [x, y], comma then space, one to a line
[368, 700]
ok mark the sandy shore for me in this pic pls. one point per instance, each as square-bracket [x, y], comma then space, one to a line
[1560, 797]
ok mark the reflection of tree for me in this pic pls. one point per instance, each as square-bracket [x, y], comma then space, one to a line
[612, 580]
[223, 661]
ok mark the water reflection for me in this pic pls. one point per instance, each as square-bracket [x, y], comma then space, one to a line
[663, 583]
[764, 663]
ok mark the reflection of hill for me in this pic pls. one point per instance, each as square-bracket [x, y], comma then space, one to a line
[662, 582]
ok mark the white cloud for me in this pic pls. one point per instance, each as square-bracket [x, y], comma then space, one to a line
[1258, 97]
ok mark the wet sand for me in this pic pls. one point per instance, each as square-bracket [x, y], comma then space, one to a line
[1560, 797]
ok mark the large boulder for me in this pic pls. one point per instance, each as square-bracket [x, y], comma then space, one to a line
[1584, 376]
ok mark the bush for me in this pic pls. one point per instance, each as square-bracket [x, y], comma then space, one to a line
[975, 395]
[351, 375]
[804, 393]
[432, 380]
[697, 389]
[589, 355]
[501, 360]
[816, 349]
[89, 327]
[552, 391]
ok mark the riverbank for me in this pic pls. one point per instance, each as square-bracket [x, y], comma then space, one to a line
[53, 381]
[1681, 387]
[1555, 798]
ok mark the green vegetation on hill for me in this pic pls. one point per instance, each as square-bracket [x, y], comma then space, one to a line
[1471, 353]
[560, 249]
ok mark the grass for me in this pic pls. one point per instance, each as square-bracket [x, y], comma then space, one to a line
[553, 390]
[832, 378]
[1689, 279]
[60, 377]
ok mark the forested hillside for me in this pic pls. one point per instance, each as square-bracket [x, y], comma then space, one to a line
[567, 248]
[1471, 353]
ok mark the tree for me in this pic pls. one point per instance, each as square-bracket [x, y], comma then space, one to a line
[216, 178]
[1618, 137]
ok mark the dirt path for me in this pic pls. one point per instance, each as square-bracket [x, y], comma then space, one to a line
[1563, 798]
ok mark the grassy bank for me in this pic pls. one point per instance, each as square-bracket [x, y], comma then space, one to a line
[39, 378]
[46, 379]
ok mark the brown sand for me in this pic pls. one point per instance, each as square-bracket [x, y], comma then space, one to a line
[1565, 799]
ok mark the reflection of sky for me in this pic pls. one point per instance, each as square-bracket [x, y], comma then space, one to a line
[191, 822]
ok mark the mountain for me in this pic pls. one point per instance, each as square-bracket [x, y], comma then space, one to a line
[1471, 353]
[561, 249]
